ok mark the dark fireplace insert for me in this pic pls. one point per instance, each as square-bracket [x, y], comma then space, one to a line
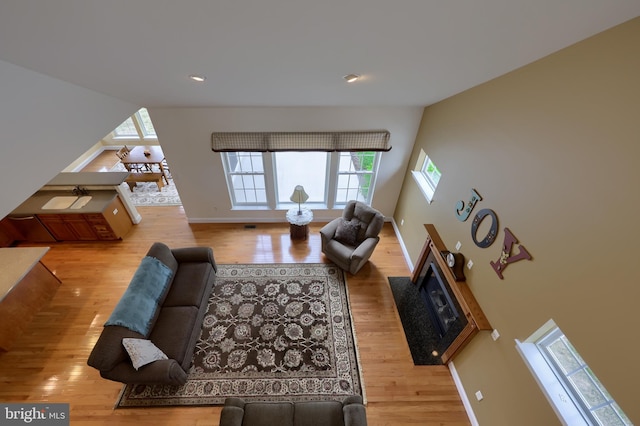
[442, 307]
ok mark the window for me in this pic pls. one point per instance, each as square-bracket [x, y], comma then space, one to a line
[431, 173]
[136, 127]
[126, 130]
[144, 121]
[330, 178]
[355, 176]
[574, 391]
[246, 178]
[426, 175]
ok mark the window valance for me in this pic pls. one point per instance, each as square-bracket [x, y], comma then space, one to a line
[369, 140]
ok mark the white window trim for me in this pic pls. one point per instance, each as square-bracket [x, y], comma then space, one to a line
[562, 400]
[551, 387]
[427, 187]
[142, 137]
[331, 177]
[424, 185]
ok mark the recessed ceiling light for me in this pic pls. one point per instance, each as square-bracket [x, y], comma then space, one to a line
[351, 77]
[198, 78]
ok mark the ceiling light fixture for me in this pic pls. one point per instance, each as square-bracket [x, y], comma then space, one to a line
[351, 77]
[198, 78]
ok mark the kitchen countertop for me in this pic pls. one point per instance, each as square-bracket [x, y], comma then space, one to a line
[88, 179]
[15, 263]
[99, 201]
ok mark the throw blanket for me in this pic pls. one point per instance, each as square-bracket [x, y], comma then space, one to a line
[139, 303]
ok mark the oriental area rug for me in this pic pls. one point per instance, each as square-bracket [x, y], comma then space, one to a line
[272, 332]
[148, 194]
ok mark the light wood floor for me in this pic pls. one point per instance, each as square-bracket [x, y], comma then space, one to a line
[48, 363]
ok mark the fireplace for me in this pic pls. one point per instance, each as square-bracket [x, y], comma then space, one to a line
[440, 306]
[440, 302]
[454, 311]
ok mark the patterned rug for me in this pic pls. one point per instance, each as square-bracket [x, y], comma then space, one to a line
[147, 193]
[272, 332]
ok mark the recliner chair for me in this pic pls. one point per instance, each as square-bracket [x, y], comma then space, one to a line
[349, 241]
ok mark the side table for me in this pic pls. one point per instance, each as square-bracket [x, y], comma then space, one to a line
[299, 223]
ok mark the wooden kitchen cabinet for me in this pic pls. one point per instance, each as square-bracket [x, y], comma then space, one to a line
[56, 226]
[8, 233]
[68, 227]
[112, 223]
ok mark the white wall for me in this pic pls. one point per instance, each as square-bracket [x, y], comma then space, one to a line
[185, 136]
[46, 124]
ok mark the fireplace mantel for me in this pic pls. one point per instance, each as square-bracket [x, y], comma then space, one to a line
[476, 320]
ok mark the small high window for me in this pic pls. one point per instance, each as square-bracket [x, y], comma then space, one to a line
[574, 391]
[426, 175]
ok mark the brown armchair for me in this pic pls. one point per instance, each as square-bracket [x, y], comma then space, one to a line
[349, 241]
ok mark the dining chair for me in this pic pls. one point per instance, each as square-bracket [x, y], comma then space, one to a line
[124, 152]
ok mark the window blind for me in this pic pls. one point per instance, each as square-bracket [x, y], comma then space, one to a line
[369, 140]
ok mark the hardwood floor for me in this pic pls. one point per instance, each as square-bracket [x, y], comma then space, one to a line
[48, 362]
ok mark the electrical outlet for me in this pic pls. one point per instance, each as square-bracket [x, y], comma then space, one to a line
[458, 245]
[479, 396]
[495, 335]
[469, 263]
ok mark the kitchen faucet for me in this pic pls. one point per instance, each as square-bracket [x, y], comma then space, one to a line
[79, 191]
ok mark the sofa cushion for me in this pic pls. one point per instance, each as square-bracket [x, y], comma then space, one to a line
[189, 284]
[108, 350]
[173, 329]
[268, 414]
[318, 413]
[142, 352]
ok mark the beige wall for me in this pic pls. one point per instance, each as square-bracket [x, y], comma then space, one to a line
[553, 149]
[185, 136]
[46, 124]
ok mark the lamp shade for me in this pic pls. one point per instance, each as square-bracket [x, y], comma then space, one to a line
[299, 196]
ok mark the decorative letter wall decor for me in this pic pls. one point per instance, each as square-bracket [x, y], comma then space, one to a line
[505, 256]
[493, 231]
[463, 213]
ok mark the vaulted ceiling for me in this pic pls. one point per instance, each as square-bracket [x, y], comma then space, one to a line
[292, 52]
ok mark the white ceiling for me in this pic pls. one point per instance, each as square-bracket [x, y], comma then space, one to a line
[292, 52]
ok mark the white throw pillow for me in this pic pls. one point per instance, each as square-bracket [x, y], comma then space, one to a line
[142, 352]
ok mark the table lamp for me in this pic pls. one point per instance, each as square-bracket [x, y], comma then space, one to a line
[299, 196]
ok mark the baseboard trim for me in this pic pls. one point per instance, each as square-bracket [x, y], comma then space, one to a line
[463, 394]
[403, 247]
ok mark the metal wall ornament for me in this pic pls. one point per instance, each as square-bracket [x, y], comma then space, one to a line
[463, 212]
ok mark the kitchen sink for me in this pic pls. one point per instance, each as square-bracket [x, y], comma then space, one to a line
[60, 202]
[63, 202]
[81, 202]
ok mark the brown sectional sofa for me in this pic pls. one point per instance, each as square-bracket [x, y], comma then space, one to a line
[174, 326]
[350, 412]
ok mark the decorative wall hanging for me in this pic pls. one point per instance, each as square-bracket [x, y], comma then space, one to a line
[493, 231]
[463, 211]
[505, 256]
